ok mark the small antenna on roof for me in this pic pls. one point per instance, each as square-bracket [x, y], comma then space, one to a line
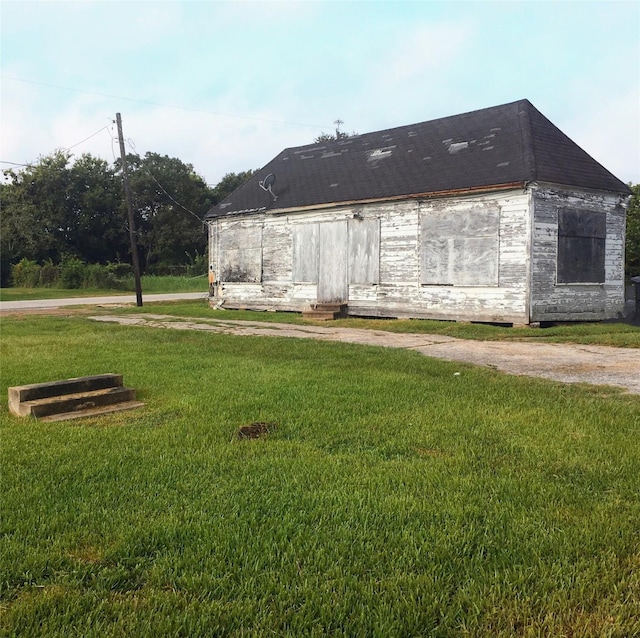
[267, 183]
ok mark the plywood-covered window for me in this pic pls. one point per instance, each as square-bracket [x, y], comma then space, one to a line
[364, 251]
[241, 254]
[581, 246]
[305, 253]
[459, 248]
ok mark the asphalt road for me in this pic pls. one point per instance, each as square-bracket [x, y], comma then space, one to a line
[34, 304]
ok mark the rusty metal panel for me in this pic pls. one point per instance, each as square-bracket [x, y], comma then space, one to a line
[459, 248]
[241, 254]
[305, 253]
[332, 262]
[364, 251]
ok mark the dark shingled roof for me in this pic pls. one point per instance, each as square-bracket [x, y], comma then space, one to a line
[508, 144]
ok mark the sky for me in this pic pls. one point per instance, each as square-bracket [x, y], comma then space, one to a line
[226, 85]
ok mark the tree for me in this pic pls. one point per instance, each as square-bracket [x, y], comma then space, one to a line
[34, 213]
[170, 201]
[330, 137]
[62, 208]
[97, 232]
[333, 137]
[229, 183]
[52, 209]
[632, 248]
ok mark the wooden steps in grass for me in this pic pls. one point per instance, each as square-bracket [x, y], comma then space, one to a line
[325, 311]
[73, 398]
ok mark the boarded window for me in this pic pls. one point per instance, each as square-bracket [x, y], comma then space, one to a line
[459, 248]
[364, 251]
[305, 253]
[581, 246]
[241, 254]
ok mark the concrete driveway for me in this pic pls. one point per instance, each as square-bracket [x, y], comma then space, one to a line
[568, 363]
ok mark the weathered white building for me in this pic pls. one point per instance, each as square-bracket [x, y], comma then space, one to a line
[493, 215]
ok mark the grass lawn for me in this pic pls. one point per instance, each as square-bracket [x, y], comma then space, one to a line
[25, 294]
[148, 283]
[392, 498]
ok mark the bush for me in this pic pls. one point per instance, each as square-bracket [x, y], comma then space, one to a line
[95, 276]
[199, 266]
[72, 273]
[49, 275]
[25, 274]
[76, 274]
[117, 276]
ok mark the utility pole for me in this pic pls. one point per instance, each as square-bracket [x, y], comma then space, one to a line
[132, 227]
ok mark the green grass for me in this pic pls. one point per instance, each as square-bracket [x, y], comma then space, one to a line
[393, 498]
[25, 294]
[149, 284]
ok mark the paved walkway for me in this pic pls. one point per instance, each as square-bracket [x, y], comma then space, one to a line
[569, 363]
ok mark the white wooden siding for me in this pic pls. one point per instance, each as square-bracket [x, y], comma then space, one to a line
[551, 301]
[395, 290]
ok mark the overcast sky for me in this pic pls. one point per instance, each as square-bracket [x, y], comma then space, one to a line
[225, 86]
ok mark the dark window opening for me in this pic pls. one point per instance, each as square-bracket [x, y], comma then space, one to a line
[581, 246]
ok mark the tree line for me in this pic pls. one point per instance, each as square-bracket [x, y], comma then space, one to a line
[62, 208]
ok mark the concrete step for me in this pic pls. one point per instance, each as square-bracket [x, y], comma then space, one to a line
[325, 311]
[21, 393]
[76, 401]
[317, 315]
[72, 398]
[102, 410]
[330, 307]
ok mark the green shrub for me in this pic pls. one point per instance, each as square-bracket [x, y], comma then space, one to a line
[49, 275]
[118, 276]
[72, 273]
[199, 266]
[25, 274]
[120, 270]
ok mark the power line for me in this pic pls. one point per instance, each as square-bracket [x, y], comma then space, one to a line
[167, 106]
[132, 146]
[171, 198]
[68, 148]
[14, 163]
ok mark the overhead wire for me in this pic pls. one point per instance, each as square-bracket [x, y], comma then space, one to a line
[14, 163]
[132, 146]
[65, 148]
[68, 148]
[167, 106]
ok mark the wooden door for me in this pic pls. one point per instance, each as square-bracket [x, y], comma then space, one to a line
[333, 286]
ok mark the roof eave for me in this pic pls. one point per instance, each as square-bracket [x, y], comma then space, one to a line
[471, 190]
